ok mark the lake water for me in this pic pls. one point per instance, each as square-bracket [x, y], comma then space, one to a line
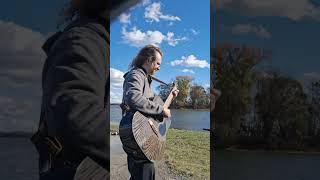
[181, 118]
[244, 165]
[18, 159]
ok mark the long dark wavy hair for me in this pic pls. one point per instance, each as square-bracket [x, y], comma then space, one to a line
[148, 52]
[76, 8]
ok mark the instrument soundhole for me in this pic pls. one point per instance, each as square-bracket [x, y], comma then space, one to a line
[163, 128]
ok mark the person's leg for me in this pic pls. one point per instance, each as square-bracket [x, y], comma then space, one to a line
[140, 169]
[148, 170]
[139, 166]
[130, 162]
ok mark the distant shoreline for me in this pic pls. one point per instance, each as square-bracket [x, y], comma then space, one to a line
[15, 134]
[288, 151]
[181, 108]
[113, 104]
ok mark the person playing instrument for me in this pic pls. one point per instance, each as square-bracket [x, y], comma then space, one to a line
[138, 96]
[75, 82]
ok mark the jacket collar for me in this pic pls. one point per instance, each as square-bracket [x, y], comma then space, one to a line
[146, 74]
[49, 43]
[141, 69]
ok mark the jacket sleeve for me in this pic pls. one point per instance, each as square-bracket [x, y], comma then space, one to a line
[75, 90]
[133, 88]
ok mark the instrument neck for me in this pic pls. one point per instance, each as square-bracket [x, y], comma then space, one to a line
[168, 100]
[170, 96]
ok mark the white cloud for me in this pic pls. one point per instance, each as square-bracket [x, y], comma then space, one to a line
[188, 71]
[21, 56]
[146, 2]
[138, 38]
[125, 18]
[174, 41]
[248, 29]
[194, 32]
[116, 83]
[191, 61]
[22, 60]
[307, 78]
[15, 115]
[292, 9]
[312, 75]
[142, 3]
[153, 13]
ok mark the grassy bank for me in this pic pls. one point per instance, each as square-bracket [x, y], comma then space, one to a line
[114, 127]
[188, 153]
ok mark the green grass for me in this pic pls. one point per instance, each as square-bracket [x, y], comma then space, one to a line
[188, 153]
[114, 127]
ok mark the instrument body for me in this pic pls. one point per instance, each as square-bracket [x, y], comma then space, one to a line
[89, 169]
[150, 134]
[150, 131]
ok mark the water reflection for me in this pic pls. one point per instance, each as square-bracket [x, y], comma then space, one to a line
[181, 118]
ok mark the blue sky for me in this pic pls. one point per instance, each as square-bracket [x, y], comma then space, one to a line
[289, 28]
[180, 28]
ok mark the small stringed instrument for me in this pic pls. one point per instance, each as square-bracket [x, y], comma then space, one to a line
[90, 170]
[150, 132]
